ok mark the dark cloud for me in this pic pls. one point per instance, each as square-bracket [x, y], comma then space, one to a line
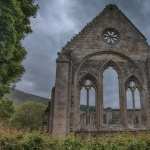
[56, 22]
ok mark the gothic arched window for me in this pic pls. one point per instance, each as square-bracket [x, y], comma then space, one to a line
[133, 100]
[87, 103]
[87, 96]
[111, 101]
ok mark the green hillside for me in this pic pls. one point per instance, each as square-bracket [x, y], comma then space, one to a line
[20, 97]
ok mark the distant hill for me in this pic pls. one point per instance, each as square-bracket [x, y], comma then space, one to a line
[20, 97]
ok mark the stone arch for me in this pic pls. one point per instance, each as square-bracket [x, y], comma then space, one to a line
[135, 79]
[111, 102]
[101, 53]
[91, 78]
[87, 76]
[134, 105]
[111, 84]
[106, 52]
[112, 64]
[88, 94]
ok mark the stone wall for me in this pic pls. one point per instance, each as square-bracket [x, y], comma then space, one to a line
[88, 54]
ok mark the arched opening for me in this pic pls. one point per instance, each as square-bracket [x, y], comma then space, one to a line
[111, 102]
[133, 100]
[129, 99]
[87, 103]
[87, 99]
[137, 99]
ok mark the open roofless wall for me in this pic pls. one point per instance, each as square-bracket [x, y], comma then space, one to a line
[102, 78]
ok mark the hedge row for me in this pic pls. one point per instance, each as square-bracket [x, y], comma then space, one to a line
[35, 141]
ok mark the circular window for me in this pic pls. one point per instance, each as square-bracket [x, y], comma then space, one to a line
[111, 36]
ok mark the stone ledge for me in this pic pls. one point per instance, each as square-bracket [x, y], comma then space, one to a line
[108, 132]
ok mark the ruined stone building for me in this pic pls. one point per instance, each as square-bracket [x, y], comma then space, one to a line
[102, 78]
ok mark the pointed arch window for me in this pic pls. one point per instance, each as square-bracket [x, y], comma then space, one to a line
[87, 102]
[133, 96]
[87, 96]
[111, 101]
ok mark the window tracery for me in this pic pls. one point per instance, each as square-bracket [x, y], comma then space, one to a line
[87, 102]
[133, 95]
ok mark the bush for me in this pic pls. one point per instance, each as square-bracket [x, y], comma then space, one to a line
[29, 115]
[33, 141]
[7, 110]
[72, 144]
[15, 140]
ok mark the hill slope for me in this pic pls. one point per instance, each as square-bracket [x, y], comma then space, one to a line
[20, 97]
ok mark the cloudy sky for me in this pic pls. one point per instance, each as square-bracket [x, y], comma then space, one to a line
[56, 22]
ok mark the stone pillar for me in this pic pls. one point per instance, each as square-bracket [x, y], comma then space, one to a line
[145, 104]
[148, 91]
[60, 118]
[100, 101]
[97, 108]
[123, 109]
[76, 108]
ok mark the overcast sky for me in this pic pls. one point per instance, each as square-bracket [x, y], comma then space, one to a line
[56, 22]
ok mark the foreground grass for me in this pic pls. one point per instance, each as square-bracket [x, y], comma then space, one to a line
[11, 139]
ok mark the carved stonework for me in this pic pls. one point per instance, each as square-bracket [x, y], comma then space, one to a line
[110, 40]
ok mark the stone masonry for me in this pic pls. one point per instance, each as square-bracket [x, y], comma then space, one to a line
[110, 39]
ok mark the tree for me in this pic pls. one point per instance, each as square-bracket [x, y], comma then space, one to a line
[14, 25]
[6, 109]
[29, 115]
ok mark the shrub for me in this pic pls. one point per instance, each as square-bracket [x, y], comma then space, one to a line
[6, 109]
[29, 115]
[33, 141]
[72, 144]
[17, 140]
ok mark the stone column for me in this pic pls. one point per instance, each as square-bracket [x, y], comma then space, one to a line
[144, 99]
[100, 100]
[76, 107]
[148, 91]
[61, 97]
[123, 109]
[97, 108]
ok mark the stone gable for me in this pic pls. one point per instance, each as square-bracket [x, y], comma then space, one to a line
[90, 39]
[109, 41]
